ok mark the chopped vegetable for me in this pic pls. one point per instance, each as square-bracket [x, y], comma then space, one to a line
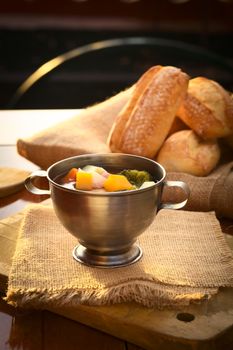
[147, 184]
[92, 177]
[96, 169]
[98, 180]
[71, 175]
[116, 182]
[84, 181]
[136, 177]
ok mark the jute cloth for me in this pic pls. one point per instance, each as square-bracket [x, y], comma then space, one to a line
[9, 228]
[185, 259]
[210, 193]
[88, 133]
[84, 133]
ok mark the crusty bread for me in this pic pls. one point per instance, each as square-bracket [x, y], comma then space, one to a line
[184, 151]
[177, 125]
[207, 109]
[229, 140]
[144, 123]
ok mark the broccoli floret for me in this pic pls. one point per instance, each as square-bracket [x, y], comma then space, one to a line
[136, 177]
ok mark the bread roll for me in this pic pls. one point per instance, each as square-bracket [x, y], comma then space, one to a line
[144, 123]
[177, 125]
[229, 140]
[186, 152]
[207, 109]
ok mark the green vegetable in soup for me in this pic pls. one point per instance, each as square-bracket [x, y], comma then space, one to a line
[136, 177]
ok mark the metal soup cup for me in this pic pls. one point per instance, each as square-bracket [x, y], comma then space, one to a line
[106, 225]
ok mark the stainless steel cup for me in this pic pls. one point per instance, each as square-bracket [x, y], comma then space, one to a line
[107, 225]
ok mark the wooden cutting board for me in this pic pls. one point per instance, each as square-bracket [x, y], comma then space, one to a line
[11, 180]
[206, 326]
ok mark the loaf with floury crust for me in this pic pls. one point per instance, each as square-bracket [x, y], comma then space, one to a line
[207, 109]
[143, 124]
[184, 151]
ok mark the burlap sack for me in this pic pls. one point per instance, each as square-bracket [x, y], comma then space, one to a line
[213, 192]
[185, 259]
[85, 133]
[88, 133]
[9, 229]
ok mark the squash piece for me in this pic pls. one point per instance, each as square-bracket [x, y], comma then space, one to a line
[116, 182]
[84, 181]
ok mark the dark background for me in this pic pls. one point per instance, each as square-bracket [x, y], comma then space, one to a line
[35, 31]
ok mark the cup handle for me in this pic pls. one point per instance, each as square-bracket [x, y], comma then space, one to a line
[32, 188]
[179, 205]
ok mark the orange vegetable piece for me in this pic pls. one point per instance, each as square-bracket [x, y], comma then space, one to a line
[84, 181]
[71, 175]
[116, 182]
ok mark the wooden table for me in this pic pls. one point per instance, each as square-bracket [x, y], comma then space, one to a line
[45, 329]
[39, 330]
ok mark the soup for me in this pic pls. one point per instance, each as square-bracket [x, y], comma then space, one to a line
[98, 179]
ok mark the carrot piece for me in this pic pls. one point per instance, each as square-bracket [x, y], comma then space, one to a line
[84, 181]
[116, 182]
[71, 175]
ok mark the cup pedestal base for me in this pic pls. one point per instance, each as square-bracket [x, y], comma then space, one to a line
[110, 260]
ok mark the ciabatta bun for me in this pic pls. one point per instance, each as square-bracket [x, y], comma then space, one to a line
[207, 109]
[184, 151]
[144, 123]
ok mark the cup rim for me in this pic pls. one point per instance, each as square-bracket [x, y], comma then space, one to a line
[117, 193]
